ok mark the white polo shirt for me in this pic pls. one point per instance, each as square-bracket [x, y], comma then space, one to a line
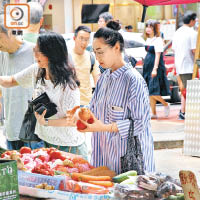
[184, 41]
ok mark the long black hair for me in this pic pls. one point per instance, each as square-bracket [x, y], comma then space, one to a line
[53, 46]
[111, 35]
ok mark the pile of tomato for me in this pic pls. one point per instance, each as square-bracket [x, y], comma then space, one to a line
[48, 161]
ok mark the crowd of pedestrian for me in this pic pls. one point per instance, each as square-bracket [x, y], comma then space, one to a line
[121, 93]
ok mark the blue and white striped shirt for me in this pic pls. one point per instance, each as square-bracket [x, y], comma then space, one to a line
[118, 96]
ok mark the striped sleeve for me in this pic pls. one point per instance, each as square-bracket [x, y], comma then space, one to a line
[139, 106]
[123, 127]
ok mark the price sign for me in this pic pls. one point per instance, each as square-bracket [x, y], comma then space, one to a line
[189, 185]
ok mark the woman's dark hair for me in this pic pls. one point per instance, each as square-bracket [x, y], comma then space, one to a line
[114, 24]
[53, 46]
[111, 35]
[155, 26]
[188, 16]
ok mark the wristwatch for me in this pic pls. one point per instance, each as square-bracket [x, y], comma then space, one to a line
[46, 122]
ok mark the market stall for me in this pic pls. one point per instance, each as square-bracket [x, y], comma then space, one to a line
[52, 174]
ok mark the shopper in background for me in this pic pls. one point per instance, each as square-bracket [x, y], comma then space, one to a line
[184, 45]
[154, 71]
[104, 18]
[15, 56]
[53, 75]
[121, 93]
[84, 63]
[36, 19]
[129, 28]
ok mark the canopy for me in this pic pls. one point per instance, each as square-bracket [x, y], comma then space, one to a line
[165, 2]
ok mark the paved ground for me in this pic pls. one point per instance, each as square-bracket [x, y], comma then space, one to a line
[168, 132]
[171, 161]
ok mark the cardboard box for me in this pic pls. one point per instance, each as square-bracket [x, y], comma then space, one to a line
[8, 180]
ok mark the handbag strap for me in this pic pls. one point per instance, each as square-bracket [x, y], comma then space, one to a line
[131, 138]
[131, 128]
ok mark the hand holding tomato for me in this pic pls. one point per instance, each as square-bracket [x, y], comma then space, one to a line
[96, 126]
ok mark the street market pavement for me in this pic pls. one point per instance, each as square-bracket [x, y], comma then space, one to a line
[168, 134]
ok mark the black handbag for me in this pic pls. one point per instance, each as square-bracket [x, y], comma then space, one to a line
[27, 131]
[41, 103]
[133, 159]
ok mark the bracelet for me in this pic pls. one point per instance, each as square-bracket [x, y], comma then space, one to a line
[113, 127]
[46, 122]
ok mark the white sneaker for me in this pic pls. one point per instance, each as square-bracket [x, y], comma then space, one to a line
[167, 110]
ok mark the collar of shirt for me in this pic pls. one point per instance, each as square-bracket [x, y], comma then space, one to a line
[117, 73]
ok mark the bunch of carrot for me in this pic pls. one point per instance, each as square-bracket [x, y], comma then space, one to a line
[96, 180]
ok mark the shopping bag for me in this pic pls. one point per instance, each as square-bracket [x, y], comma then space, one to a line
[133, 159]
[27, 131]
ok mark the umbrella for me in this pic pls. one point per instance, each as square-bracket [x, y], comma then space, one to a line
[165, 2]
[147, 3]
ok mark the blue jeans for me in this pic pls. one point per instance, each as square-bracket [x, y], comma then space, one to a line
[34, 145]
[14, 145]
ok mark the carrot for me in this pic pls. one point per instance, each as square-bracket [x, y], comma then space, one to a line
[86, 178]
[102, 183]
[94, 189]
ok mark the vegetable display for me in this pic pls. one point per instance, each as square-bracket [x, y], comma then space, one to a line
[47, 161]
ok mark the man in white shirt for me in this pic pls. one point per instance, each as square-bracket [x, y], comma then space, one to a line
[184, 45]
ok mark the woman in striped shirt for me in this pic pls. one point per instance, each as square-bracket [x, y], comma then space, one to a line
[121, 93]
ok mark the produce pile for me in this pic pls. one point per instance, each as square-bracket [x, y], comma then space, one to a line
[79, 175]
[148, 187]
[47, 161]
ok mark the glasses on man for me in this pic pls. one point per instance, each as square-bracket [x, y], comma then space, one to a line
[83, 39]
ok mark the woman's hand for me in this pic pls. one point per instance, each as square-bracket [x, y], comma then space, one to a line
[70, 120]
[40, 118]
[154, 73]
[62, 122]
[96, 126]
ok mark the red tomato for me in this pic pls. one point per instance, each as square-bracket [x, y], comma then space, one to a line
[80, 125]
[6, 154]
[90, 121]
[25, 150]
[51, 149]
[56, 155]
[42, 158]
